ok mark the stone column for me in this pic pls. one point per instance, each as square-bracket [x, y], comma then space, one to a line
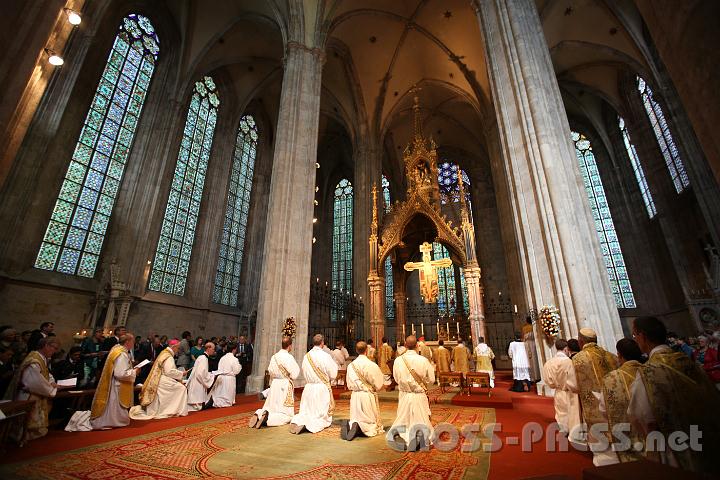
[400, 315]
[560, 258]
[366, 173]
[285, 282]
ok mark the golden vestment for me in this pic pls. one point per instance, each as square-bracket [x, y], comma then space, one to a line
[616, 392]
[102, 392]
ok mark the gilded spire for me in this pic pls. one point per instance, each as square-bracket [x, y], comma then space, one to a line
[463, 204]
[417, 129]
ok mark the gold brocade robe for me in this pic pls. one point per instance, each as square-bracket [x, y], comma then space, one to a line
[591, 365]
[102, 392]
[150, 387]
[616, 392]
[384, 356]
[461, 359]
[442, 359]
[682, 395]
[425, 351]
[36, 423]
[370, 353]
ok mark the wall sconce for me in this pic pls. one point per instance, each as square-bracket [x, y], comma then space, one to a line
[53, 58]
[73, 17]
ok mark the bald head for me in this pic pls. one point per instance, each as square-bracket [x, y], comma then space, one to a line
[361, 347]
[410, 342]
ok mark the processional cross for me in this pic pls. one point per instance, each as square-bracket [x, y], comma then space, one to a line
[428, 272]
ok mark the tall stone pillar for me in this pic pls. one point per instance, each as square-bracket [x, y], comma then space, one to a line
[400, 313]
[285, 282]
[560, 258]
[475, 301]
[367, 173]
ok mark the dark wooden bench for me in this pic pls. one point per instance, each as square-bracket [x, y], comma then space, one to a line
[446, 378]
[14, 422]
[481, 378]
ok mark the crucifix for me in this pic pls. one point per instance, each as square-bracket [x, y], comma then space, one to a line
[428, 272]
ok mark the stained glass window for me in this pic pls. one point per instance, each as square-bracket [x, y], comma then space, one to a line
[76, 231]
[386, 193]
[446, 282]
[637, 168]
[342, 237]
[172, 257]
[464, 290]
[227, 277]
[609, 243]
[664, 137]
[389, 290]
[448, 181]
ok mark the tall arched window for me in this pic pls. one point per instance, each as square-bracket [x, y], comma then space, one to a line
[609, 244]
[637, 168]
[342, 237]
[76, 231]
[227, 278]
[447, 297]
[172, 257]
[389, 288]
[664, 137]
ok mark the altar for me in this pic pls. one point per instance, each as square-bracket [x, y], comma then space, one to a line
[404, 237]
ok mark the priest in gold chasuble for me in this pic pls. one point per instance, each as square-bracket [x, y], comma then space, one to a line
[616, 395]
[591, 365]
[672, 394]
[114, 394]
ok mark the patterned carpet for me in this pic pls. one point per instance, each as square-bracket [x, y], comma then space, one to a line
[228, 449]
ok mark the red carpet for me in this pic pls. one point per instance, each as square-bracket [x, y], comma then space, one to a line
[510, 462]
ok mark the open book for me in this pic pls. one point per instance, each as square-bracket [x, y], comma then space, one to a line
[143, 363]
[70, 382]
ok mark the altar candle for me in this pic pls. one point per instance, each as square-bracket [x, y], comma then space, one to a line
[515, 308]
[457, 325]
[403, 330]
[438, 330]
[412, 332]
[422, 329]
[447, 329]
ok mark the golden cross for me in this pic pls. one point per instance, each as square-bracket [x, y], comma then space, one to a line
[428, 272]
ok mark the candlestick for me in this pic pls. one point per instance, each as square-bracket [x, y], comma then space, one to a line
[515, 308]
[447, 329]
[457, 325]
[412, 332]
[422, 329]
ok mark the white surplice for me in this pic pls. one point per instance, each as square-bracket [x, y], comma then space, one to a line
[224, 390]
[520, 361]
[560, 376]
[339, 358]
[413, 407]
[278, 412]
[198, 384]
[115, 415]
[171, 397]
[315, 401]
[364, 407]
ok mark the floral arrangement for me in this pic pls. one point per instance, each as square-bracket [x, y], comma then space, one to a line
[550, 320]
[289, 329]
